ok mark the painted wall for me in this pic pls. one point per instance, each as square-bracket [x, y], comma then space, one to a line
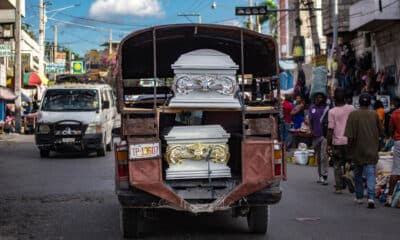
[386, 49]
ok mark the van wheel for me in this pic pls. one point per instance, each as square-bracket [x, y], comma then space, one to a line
[44, 153]
[257, 219]
[102, 151]
[129, 222]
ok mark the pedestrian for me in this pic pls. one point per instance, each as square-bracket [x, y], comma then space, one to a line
[378, 106]
[337, 142]
[363, 130]
[316, 114]
[394, 129]
[298, 113]
[287, 109]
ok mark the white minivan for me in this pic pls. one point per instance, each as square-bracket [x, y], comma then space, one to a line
[76, 117]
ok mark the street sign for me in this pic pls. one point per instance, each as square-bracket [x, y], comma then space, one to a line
[77, 67]
[60, 58]
[5, 50]
[54, 68]
[244, 11]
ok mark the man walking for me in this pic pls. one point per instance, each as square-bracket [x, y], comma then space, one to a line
[287, 109]
[337, 142]
[363, 130]
[316, 115]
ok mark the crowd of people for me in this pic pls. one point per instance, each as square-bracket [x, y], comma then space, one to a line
[351, 137]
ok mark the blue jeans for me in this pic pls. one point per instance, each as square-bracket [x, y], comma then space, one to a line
[358, 180]
[287, 136]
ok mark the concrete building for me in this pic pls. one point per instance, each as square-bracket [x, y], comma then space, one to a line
[378, 32]
[30, 53]
[344, 32]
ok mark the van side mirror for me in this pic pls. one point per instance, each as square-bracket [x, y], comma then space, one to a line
[105, 104]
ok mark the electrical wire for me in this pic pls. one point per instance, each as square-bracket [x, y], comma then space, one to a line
[103, 21]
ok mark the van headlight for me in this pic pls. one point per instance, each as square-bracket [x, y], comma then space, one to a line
[93, 128]
[44, 129]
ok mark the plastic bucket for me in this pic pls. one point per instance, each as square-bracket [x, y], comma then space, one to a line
[311, 158]
[385, 164]
[301, 157]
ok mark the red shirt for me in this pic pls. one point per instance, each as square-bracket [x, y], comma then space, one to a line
[394, 124]
[287, 109]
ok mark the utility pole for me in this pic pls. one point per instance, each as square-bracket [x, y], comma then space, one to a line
[251, 25]
[55, 43]
[258, 25]
[110, 43]
[42, 33]
[298, 25]
[335, 24]
[314, 30]
[18, 70]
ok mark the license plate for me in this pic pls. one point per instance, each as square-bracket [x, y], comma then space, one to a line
[68, 140]
[144, 150]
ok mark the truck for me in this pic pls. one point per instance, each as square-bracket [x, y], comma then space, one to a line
[200, 117]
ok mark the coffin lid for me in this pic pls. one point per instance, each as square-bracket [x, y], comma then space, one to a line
[205, 59]
[193, 133]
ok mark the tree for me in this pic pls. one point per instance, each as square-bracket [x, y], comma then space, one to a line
[270, 17]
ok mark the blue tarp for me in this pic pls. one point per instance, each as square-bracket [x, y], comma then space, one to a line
[286, 78]
[2, 110]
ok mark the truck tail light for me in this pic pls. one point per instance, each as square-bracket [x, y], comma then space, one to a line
[278, 160]
[121, 167]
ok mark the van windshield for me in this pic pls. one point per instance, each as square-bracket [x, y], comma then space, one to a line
[70, 100]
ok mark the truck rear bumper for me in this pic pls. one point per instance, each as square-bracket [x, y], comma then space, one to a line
[141, 199]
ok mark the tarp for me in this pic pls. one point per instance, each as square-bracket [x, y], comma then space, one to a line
[7, 94]
[287, 64]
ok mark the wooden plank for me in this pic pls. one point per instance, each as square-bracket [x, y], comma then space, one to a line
[139, 126]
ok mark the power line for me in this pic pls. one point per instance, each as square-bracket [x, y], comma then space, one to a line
[88, 26]
[103, 21]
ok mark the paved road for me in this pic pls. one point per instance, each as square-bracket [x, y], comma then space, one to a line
[71, 197]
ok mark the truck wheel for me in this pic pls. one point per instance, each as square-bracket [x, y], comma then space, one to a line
[44, 153]
[102, 151]
[257, 219]
[129, 222]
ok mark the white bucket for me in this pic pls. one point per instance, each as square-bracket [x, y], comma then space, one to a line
[384, 165]
[301, 157]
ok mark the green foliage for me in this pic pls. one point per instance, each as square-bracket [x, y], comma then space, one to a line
[270, 17]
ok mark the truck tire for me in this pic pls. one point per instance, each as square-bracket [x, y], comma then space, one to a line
[257, 219]
[44, 153]
[129, 222]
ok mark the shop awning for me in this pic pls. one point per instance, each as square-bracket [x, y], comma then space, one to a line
[34, 78]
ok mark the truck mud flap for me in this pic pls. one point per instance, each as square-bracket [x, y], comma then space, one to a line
[146, 175]
[257, 170]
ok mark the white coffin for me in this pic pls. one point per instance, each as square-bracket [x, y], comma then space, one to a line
[205, 78]
[197, 169]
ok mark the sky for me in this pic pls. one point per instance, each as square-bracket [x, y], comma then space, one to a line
[85, 24]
